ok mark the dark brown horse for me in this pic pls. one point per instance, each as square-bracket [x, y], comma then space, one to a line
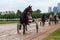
[43, 19]
[24, 19]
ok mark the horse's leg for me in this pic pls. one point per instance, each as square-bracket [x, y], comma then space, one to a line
[55, 22]
[18, 29]
[37, 26]
[52, 22]
[49, 22]
[24, 28]
[40, 23]
[43, 24]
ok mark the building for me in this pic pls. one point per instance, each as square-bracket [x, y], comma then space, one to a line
[55, 9]
[50, 9]
[6, 12]
[58, 7]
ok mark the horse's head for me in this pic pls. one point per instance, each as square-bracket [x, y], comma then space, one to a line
[29, 9]
[29, 12]
[26, 15]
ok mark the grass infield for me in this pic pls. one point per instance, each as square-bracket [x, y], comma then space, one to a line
[54, 36]
[8, 21]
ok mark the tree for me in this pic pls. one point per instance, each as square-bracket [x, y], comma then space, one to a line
[39, 11]
[18, 13]
[58, 14]
[36, 14]
[52, 13]
[1, 16]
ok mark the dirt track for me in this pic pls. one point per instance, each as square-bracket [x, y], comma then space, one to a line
[42, 35]
[8, 32]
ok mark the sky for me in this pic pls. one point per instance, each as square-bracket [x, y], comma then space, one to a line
[14, 5]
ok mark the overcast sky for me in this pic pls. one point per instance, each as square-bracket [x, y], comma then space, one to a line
[14, 5]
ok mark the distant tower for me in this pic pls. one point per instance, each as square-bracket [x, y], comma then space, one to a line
[58, 7]
[50, 9]
[55, 9]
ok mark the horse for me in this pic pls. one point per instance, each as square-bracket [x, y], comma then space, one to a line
[24, 19]
[43, 19]
[53, 19]
[56, 19]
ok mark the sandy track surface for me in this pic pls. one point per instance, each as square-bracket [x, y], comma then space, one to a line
[8, 32]
[42, 35]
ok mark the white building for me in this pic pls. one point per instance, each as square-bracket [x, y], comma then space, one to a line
[58, 7]
[50, 9]
[6, 12]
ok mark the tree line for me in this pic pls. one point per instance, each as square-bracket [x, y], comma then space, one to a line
[36, 14]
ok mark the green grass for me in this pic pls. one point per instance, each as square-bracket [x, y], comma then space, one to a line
[7, 21]
[54, 36]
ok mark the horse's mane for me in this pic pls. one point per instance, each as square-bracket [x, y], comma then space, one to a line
[26, 9]
[24, 17]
